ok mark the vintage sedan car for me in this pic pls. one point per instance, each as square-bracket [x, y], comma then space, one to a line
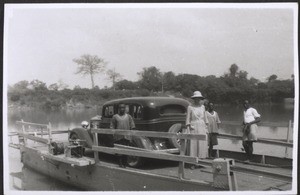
[162, 114]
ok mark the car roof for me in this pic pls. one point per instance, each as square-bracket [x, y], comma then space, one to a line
[158, 101]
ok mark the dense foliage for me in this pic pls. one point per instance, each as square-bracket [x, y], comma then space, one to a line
[232, 87]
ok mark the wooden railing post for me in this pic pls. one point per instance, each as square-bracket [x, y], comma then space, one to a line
[96, 154]
[288, 137]
[49, 137]
[181, 163]
[42, 132]
[50, 131]
[217, 153]
[23, 131]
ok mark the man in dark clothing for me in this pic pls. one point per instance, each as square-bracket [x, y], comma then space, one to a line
[122, 120]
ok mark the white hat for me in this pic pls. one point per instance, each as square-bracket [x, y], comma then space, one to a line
[197, 94]
[84, 123]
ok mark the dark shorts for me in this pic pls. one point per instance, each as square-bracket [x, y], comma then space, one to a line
[212, 139]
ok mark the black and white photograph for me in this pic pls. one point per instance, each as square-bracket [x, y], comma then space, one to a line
[181, 98]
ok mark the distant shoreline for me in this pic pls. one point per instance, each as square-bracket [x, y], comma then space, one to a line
[98, 105]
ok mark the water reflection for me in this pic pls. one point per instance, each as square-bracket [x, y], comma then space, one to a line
[269, 112]
[62, 119]
[274, 129]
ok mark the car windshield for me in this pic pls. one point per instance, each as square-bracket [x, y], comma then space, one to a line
[172, 109]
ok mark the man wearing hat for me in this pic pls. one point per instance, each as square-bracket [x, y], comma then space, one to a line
[196, 123]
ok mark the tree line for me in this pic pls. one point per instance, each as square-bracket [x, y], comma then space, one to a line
[230, 88]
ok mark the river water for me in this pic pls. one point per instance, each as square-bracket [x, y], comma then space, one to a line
[68, 119]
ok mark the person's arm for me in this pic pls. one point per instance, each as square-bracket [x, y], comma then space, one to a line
[206, 121]
[244, 123]
[257, 120]
[188, 117]
[131, 123]
[205, 118]
[218, 120]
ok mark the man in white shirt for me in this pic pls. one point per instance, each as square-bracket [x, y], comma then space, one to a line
[251, 118]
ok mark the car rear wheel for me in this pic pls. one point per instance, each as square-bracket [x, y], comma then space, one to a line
[176, 128]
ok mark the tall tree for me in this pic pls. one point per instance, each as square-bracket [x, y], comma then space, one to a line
[114, 77]
[169, 80]
[21, 85]
[90, 65]
[242, 74]
[271, 78]
[233, 70]
[53, 87]
[125, 84]
[253, 81]
[38, 85]
[62, 85]
[151, 78]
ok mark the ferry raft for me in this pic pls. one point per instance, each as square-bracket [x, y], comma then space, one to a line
[43, 150]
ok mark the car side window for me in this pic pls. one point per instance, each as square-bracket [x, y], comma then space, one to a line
[136, 111]
[139, 112]
[109, 111]
[127, 109]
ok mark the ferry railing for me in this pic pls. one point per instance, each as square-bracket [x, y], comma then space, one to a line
[287, 144]
[133, 151]
[182, 158]
[26, 133]
[266, 124]
[259, 140]
[31, 130]
[288, 136]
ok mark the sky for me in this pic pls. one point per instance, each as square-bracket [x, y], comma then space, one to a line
[41, 43]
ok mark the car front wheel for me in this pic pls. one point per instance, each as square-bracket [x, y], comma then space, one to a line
[134, 161]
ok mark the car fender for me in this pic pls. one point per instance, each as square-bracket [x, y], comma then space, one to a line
[83, 134]
[143, 142]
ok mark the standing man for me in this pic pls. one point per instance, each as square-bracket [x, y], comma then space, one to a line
[251, 118]
[213, 128]
[124, 121]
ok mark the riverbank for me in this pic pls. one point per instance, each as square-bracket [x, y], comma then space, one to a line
[288, 103]
[225, 89]
[74, 99]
